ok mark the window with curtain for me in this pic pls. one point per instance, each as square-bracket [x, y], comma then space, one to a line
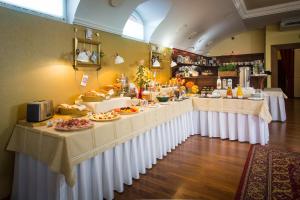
[53, 8]
[134, 27]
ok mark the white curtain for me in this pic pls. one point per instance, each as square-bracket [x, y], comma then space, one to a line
[98, 177]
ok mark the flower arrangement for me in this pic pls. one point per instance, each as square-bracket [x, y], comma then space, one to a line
[192, 88]
[195, 89]
[182, 88]
[189, 84]
[177, 81]
[143, 76]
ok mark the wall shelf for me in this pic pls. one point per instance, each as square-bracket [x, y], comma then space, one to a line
[201, 63]
[82, 67]
[92, 49]
[202, 77]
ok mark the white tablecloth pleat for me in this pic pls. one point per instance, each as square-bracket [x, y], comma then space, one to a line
[98, 177]
[244, 128]
[277, 107]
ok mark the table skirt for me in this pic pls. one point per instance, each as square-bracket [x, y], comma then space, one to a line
[277, 108]
[241, 127]
[98, 177]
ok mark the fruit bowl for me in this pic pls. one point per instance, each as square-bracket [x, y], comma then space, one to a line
[162, 98]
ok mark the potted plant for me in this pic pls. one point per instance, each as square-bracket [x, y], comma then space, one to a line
[142, 78]
[227, 70]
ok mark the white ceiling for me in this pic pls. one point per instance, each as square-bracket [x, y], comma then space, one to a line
[192, 20]
[193, 25]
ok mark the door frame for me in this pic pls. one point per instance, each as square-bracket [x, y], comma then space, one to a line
[274, 61]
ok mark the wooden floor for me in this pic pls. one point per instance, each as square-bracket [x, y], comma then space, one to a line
[204, 168]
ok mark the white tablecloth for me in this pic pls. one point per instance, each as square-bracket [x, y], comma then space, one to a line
[241, 127]
[275, 98]
[98, 177]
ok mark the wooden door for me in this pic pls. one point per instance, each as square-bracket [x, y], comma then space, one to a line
[286, 72]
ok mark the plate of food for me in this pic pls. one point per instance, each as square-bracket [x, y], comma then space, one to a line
[73, 125]
[105, 117]
[127, 110]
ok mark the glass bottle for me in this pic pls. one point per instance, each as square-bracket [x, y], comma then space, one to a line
[229, 92]
[239, 92]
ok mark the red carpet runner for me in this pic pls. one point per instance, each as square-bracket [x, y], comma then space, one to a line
[270, 174]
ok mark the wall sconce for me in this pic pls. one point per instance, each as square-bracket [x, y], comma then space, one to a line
[173, 64]
[119, 59]
[156, 63]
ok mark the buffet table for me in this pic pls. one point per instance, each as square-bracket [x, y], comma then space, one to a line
[61, 165]
[275, 98]
[233, 119]
[92, 163]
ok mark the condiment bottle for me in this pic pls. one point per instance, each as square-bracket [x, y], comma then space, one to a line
[229, 92]
[239, 92]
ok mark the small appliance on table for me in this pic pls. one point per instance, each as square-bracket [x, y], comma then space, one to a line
[38, 111]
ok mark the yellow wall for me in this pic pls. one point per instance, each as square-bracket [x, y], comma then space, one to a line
[274, 37]
[244, 43]
[297, 73]
[257, 41]
[36, 63]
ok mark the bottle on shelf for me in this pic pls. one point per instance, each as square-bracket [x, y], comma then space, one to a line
[229, 83]
[219, 83]
[224, 83]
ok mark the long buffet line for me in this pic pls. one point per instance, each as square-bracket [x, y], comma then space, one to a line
[124, 142]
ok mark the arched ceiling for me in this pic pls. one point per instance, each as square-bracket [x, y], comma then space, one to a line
[101, 15]
[192, 25]
[153, 19]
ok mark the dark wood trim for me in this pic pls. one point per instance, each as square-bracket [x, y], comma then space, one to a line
[240, 57]
[287, 46]
[274, 67]
[274, 63]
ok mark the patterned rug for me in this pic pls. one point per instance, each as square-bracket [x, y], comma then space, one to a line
[270, 173]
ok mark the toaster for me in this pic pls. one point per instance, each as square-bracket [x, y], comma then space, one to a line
[39, 110]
